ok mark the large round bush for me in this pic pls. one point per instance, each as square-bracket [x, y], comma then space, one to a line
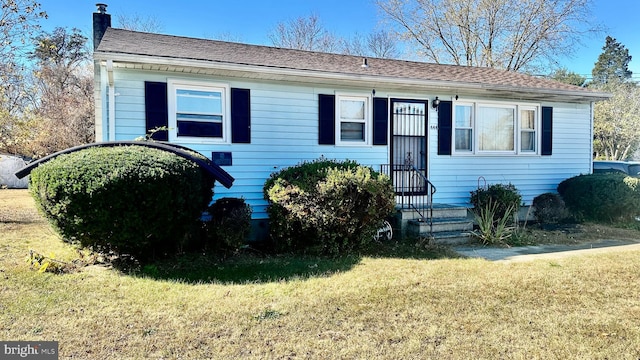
[327, 206]
[602, 197]
[129, 199]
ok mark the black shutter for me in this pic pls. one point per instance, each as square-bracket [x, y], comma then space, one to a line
[380, 121]
[155, 109]
[547, 131]
[326, 119]
[240, 116]
[445, 119]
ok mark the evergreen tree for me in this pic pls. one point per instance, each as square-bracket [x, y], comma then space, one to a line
[563, 75]
[612, 65]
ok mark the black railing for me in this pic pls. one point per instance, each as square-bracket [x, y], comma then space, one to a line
[413, 190]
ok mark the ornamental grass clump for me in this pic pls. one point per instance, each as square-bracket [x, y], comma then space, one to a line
[327, 206]
[130, 199]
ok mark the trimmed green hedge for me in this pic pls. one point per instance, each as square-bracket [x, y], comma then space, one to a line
[130, 199]
[602, 197]
[327, 206]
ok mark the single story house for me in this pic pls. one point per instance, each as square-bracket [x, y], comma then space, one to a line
[257, 109]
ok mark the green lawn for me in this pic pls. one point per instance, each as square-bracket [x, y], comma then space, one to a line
[391, 304]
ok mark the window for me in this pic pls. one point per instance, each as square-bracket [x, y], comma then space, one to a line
[528, 139]
[353, 120]
[464, 128]
[198, 111]
[496, 129]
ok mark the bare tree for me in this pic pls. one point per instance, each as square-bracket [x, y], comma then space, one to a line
[379, 44]
[382, 44]
[355, 45]
[18, 21]
[137, 22]
[512, 35]
[61, 111]
[304, 33]
[225, 36]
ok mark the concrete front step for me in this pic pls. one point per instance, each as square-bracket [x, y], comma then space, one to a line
[451, 224]
[452, 231]
[439, 211]
[439, 225]
[452, 238]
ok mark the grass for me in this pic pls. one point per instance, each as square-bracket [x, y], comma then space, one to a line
[406, 301]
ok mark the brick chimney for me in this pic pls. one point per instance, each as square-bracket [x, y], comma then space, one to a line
[101, 21]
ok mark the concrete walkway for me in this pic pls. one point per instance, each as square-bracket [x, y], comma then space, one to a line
[528, 253]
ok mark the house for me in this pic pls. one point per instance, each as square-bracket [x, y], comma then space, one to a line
[257, 109]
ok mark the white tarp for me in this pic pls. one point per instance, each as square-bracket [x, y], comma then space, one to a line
[8, 166]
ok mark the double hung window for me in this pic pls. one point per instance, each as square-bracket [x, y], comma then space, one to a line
[198, 111]
[353, 120]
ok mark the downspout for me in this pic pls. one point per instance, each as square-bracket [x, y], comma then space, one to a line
[591, 115]
[112, 102]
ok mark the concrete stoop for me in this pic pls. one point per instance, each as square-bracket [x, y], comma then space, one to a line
[451, 225]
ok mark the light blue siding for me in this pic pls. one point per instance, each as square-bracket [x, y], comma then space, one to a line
[284, 132]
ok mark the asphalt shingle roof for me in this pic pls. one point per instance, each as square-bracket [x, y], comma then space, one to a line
[119, 41]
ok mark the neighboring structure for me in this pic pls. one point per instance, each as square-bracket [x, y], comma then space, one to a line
[257, 109]
[8, 166]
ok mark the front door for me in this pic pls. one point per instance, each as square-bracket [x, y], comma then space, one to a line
[408, 145]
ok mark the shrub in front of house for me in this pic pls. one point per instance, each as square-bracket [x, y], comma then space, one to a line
[549, 208]
[500, 197]
[494, 209]
[230, 223]
[130, 199]
[602, 197]
[327, 206]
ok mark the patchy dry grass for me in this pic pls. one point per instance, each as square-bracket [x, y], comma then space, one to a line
[390, 307]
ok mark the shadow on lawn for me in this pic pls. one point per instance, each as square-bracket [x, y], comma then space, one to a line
[258, 267]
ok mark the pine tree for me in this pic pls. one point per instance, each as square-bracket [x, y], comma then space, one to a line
[612, 65]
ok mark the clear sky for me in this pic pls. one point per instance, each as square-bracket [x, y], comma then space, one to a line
[251, 20]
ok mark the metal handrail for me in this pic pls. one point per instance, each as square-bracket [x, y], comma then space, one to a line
[411, 185]
[430, 192]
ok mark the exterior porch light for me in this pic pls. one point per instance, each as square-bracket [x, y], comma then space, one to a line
[435, 103]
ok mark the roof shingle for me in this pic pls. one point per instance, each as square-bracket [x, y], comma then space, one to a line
[118, 41]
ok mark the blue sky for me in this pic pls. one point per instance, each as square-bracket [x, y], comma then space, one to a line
[251, 20]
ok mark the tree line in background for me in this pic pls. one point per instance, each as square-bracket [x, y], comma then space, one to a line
[616, 127]
[46, 92]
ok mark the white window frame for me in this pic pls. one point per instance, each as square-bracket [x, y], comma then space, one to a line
[473, 128]
[173, 85]
[517, 131]
[536, 130]
[368, 121]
